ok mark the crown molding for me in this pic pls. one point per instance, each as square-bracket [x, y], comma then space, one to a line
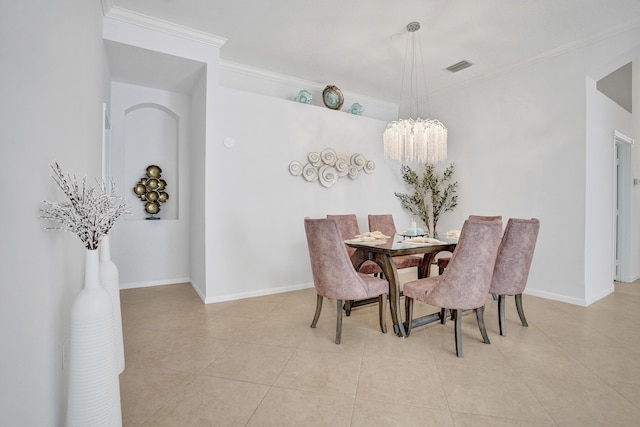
[139, 19]
[267, 75]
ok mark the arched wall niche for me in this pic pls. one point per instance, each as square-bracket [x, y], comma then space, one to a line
[151, 137]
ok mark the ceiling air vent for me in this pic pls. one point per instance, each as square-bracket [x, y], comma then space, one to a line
[459, 66]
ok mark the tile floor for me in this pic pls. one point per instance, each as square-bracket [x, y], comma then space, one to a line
[256, 362]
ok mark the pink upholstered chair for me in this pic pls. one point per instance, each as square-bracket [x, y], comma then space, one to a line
[385, 224]
[334, 276]
[513, 263]
[464, 285]
[348, 226]
[444, 261]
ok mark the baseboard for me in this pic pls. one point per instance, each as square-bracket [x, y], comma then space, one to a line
[150, 283]
[601, 295]
[629, 279]
[228, 297]
[260, 293]
[556, 297]
[569, 300]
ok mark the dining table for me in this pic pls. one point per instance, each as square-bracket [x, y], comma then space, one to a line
[382, 251]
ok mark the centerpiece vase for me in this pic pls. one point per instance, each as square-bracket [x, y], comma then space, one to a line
[94, 389]
[110, 281]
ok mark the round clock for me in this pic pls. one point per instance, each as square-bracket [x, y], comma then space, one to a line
[332, 97]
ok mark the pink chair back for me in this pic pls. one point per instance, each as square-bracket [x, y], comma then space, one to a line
[348, 226]
[485, 218]
[383, 223]
[515, 254]
[334, 276]
[465, 282]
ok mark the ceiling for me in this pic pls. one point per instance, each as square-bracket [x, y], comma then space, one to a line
[359, 45]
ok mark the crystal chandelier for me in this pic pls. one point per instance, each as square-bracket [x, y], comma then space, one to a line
[414, 140]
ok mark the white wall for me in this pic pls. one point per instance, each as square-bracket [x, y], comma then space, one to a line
[525, 146]
[603, 117]
[151, 252]
[247, 208]
[635, 189]
[197, 186]
[204, 51]
[52, 85]
[518, 144]
[257, 218]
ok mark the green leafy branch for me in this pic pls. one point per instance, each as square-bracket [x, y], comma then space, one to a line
[431, 193]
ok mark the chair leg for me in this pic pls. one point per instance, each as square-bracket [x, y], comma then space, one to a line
[382, 310]
[443, 316]
[457, 321]
[408, 314]
[318, 310]
[339, 321]
[501, 320]
[347, 307]
[520, 311]
[483, 330]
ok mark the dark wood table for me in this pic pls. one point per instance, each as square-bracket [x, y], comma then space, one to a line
[382, 252]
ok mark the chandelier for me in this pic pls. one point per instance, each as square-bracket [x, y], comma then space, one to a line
[414, 140]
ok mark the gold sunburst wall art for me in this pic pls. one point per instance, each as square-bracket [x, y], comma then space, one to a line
[151, 190]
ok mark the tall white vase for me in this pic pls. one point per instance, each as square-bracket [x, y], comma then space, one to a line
[110, 281]
[94, 389]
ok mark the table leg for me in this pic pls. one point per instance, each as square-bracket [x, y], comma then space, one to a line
[391, 274]
[425, 271]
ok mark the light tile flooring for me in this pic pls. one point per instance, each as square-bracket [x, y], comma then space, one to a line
[256, 362]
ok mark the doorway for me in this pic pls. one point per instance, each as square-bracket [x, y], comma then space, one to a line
[622, 208]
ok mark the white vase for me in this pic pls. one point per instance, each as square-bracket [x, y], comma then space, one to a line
[110, 281]
[94, 390]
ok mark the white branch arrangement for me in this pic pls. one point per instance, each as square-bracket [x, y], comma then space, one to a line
[90, 212]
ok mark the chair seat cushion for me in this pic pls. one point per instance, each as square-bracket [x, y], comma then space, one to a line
[407, 261]
[432, 291]
[418, 289]
[370, 267]
[443, 262]
[375, 286]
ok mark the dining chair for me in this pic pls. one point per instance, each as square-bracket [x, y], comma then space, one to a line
[513, 263]
[444, 261]
[334, 276]
[464, 284]
[385, 224]
[348, 226]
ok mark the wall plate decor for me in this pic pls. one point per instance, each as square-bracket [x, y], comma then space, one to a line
[151, 190]
[332, 97]
[327, 167]
[304, 97]
[356, 109]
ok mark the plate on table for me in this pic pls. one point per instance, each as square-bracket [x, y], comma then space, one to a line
[424, 241]
[366, 239]
[375, 234]
[369, 236]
